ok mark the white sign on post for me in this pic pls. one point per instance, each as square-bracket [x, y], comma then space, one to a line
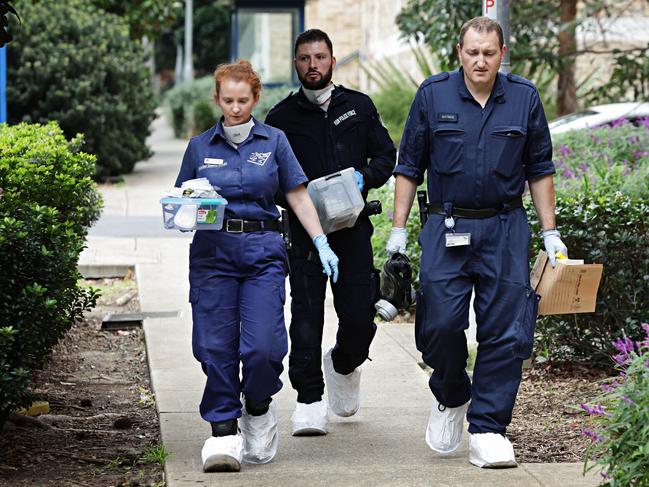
[490, 9]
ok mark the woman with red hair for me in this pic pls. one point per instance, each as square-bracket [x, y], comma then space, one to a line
[237, 274]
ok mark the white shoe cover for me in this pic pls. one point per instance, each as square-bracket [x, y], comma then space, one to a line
[310, 419]
[222, 453]
[343, 390]
[491, 450]
[260, 436]
[444, 431]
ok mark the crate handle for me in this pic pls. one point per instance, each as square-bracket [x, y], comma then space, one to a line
[331, 176]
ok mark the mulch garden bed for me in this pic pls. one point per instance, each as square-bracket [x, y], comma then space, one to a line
[102, 428]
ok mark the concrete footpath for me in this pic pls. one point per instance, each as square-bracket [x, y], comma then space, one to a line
[382, 445]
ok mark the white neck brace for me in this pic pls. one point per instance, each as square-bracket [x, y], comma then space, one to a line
[319, 97]
[238, 133]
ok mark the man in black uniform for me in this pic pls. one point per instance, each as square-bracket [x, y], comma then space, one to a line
[331, 128]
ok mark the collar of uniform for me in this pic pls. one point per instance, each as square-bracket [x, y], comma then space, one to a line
[497, 92]
[258, 129]
[337, 95]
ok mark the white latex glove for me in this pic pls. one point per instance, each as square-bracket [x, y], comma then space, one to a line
[553, 245]
[397, 241]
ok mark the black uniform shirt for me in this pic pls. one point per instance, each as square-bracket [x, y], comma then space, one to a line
[348, 134]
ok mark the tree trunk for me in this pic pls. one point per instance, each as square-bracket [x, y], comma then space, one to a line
[567, 96]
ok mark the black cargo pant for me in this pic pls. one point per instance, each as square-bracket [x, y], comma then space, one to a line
[354, 296]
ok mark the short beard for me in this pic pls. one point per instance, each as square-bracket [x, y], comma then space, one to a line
[317, 85]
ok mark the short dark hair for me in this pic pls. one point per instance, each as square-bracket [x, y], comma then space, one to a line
[482, 24]
[313, 35]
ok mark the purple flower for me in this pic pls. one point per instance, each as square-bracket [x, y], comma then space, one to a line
[644, 121]
[597, 140]
[640, 153]
[618, 122]
[606, 388]
[628, 400]
[597, 409]
[565, 150]
[627, 169]
[645, 326]
[623, 345]
[634, 139]
[593, 435]
[583, 167]
[388, 211]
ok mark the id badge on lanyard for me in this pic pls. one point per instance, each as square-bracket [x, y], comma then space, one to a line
[454, 239]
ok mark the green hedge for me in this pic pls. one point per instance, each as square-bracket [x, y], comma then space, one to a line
[611, 228]
[48, 201]
[190, 106]
[76, 64]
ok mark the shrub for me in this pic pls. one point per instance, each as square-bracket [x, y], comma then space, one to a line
[619, 431]
[611, 228]
[615, 157]
[48, 201]
[180, 100]
[191, 110]
[76, 64]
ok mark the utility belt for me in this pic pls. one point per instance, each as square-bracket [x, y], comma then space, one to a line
[236, 225]
[300, 253]
[475, 212]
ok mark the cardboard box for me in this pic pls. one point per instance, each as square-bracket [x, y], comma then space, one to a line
[570, 287]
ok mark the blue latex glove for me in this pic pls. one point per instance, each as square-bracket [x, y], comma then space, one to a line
[327, 257]
[360, 182]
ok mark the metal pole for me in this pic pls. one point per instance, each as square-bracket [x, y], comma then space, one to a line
[499, 11]
[503, 20]
[188, 71]
[3, 84]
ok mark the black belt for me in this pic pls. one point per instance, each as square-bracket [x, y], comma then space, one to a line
[235, 225]
[477, 212]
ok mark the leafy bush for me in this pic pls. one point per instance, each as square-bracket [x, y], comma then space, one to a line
[76, 64]
[48, 201]
[191, 109]
[611, 228]
[383, 224]
[616, 157]
[620, 435]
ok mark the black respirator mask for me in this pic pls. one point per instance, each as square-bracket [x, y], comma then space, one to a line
[396, 287]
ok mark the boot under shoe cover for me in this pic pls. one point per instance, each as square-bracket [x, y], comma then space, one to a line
[260, 436]
[445, 426]
[222, 453]
[310, 419]
[491, 450]
[343, 390]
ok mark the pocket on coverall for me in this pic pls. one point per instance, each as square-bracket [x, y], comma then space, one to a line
[525, 325]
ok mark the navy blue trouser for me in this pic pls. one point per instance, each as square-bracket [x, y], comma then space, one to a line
[496, 265]
[354, 296]
[237, 294]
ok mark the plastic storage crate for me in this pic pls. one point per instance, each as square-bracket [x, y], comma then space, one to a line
[199, 213]
[337, 200]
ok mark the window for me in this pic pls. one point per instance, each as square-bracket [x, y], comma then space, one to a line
[264, 34]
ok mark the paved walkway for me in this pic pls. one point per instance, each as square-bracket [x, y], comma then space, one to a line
[382, 445]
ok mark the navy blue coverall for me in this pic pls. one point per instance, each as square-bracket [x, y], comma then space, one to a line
[348, 134]
[476, 158]
[237, 279]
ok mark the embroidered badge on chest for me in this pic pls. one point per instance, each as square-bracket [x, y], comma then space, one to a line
[259, 158]
[345, 116]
